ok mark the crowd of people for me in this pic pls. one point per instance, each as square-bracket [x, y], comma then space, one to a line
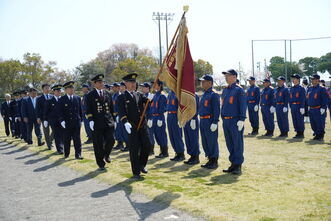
[113, 114]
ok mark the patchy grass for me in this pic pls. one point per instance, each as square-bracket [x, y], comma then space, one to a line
[282, 179]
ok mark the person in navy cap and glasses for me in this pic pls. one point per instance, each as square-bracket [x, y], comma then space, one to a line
[209, 112]
[317, 103]
[253, 101]
[268, 108]
[233, 113]
[282, 96]
[297, 104]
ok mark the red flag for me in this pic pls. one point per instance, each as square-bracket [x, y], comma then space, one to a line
[179, 75]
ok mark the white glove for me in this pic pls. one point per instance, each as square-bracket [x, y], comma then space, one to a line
[63, 124]
[150, 123]
[117, 119]
[213, 127]
[150, 96]
[91, 125]
[10, 119]
[284, 109]
[322, 111]
[272, 109]
[16, 119]
[159, 123]
[240, 125]
[193, 124]
[302, 111]
[256, 108]
[115, 125]
[128, 127]
[45, 124]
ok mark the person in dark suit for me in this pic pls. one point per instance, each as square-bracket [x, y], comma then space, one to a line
[130, 108]
[5, 113]
[86, 90]
[70, 116]
[14, 115]
[100, 113]
[22, 124]
[50, 117]
[41, 101]
[29, 114]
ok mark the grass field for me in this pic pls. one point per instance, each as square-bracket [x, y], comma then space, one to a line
[283, 179]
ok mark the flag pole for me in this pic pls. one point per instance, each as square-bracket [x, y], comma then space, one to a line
[161, 68]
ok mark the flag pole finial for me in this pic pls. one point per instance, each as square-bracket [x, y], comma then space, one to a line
[185, 8]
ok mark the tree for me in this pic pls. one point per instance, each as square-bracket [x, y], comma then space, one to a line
[277, 68]
[202, 67]
[325, 63]
[309, 65]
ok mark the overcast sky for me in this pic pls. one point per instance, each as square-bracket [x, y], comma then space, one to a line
[220, 31]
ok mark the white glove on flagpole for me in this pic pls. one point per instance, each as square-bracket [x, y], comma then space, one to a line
[117, 119]
[45, 123]
[193, 124]
[302, 111]
[63, 124]
[150, 123]
[322, 111]
[128, 127]
[240, 125]
[150, 96]
[272, 109]
[256, 108]
[91, 125]
[115, 125]
[284, 109]
[213, 127]
[159, 123]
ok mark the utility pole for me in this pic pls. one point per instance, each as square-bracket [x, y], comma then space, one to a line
[253, 58]
[285, 66]
[157, 16]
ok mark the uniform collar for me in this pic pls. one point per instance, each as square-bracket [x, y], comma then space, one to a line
[232, 85]
[209, 89]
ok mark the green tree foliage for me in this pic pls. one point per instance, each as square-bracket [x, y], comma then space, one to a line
[202, 67]
[277, 68]
[325, 63]
[309, 65]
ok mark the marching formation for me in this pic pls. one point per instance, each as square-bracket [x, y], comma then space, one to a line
[113, 114]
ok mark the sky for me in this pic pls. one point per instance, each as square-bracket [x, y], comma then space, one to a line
[220, 31]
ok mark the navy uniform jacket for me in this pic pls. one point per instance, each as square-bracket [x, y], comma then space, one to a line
[282, 96]
[149, 114]
[41, 101]
[253, 95]
[70, 111]
[297, 96]
[210, 105]
[50, 112]
[234, 103]
[159, 104]
[5, 111]
[317, 97]
[84, 98]
[131, 107]
[19, 107]
[267, 97]
[13, 109]
[100, 110]
[28, 110]
[114, 98]
[172, 102]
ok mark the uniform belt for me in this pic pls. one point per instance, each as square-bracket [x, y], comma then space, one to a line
[172, 112]
[315, 107]
[295, 102]
[227, 118]
[280, 103]
[205, 117]
[154, 115]
[250, 102]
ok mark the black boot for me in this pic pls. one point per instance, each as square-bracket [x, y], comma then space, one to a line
[319, 137]
[236, 170]
[299, 135]
[229, 170]
[189, 160]
[40, 143]
[119, 145]
[255, 131]
[178, 157]
[125, 148]
[213, 164]
[195, 160]
[206, 164]
[164, 152]
[283, 134]
[269, 133]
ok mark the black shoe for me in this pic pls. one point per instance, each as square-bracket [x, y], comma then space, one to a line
[60, 152]
[268, 133]
[230, 169]
[119, 146]
[125, 149]
[189, 160]
[213, 164]
[283, 134]
[255, 131]
[319, 137]
[299, 135]
[206, 164]
[89, 141]
[161, 155]
[179, 157]
[194, 161]
[102, 169]
[144, 170]
[236, 170]
[79, 157]
[41, 143]
[136, 176]
[107, 159]
[29, 142]
[66, 156]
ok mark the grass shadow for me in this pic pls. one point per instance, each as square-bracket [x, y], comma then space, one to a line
[223, 179]
[83, 178]
[314, 142]
[295, 140]
[163, 165]
[201, 172]
[178, 168]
